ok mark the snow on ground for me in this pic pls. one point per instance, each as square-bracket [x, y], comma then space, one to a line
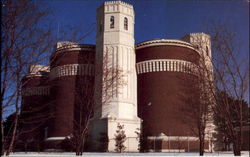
[66, 154]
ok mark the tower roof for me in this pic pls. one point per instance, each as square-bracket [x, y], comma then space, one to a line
[118, 2]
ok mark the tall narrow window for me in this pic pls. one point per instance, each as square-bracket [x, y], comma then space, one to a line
[112, 22]
[125, 23]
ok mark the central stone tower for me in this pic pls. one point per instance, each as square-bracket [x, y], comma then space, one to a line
[116, 80]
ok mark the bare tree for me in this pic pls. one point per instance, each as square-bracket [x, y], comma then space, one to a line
[223, 139]
[84, 97]
[197, 113]
[83, 111]
[199, 96]
[231, 69]
[83, 104]
[227, 71]
[22, 45]
[27, 39]
[35, 110]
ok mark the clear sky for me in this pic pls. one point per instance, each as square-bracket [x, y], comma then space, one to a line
[160, 18]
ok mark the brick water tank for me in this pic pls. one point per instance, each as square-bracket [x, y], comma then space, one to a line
[164, 69]
[34, 110]
[72, 69]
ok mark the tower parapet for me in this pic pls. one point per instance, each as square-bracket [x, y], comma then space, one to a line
[202, 42]
[118, 6]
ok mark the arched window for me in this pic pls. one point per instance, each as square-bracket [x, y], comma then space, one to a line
[112, 22]
[125, 23]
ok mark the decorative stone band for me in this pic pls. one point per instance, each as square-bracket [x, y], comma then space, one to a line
[72, 70]
[173, 138]
[161, 42]
[169, 150]
[117, 2]
[56, 138]
[173, 65]
[68, 46]
[34, 91]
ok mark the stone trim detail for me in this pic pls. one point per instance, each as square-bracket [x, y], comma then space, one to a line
[56, 138]
[161, 42]
[173, 138]
[70, 46]
[173, 65]
[73, 70]
[169, 150]
[34, 91]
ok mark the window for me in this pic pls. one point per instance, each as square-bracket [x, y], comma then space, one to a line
[112, 22]
[126, 23]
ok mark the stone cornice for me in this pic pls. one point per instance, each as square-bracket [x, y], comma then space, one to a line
[159, 42]
[75, 47]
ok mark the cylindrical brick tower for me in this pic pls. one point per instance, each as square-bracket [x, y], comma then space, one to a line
[165, 69]
[35, 109]
[72, 69]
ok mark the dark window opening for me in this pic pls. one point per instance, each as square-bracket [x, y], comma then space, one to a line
[126, 23]
[112, 22]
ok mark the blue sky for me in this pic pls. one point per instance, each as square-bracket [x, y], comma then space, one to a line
[160, 18]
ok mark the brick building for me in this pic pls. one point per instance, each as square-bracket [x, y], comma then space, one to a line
[151, 100]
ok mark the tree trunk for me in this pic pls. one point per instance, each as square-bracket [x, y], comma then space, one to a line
[13, 137]
[201, 147]
[236, 148]
[202, 141]
[82, 145]
[77, 149]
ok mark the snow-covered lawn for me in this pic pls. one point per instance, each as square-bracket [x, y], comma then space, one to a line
[44, 154]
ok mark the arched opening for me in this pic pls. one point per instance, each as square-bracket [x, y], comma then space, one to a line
[112, 22]
[125, 23]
